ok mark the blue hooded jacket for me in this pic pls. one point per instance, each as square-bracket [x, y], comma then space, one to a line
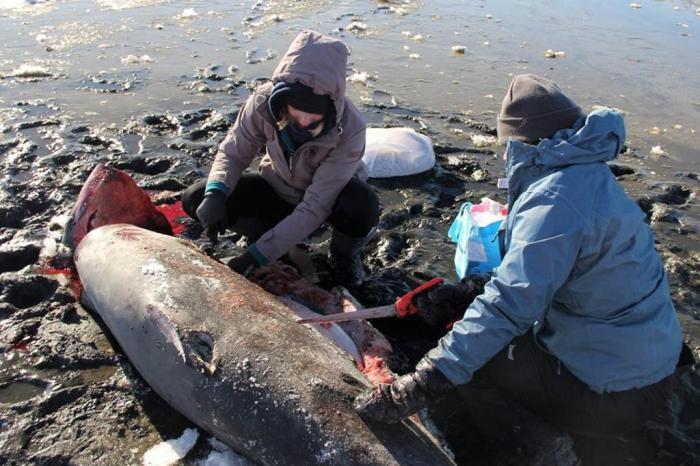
[579, 268]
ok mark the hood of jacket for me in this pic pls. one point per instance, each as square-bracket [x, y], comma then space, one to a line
[318, 62]
[599, 137]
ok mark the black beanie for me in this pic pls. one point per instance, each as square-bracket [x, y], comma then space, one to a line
[306, 101]
[298, 96]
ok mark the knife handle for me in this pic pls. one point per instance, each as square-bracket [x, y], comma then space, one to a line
[404, 305]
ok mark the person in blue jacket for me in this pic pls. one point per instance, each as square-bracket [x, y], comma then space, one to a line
[577, 323]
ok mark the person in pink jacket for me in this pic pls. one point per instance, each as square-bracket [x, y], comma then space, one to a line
[314, 140]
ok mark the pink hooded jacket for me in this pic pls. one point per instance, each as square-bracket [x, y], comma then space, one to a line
[321, 167]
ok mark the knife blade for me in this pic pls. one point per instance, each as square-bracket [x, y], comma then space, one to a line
[403, 307]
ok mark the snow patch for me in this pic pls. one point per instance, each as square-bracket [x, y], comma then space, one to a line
[171, 451]
[222, 455]
[153, 268]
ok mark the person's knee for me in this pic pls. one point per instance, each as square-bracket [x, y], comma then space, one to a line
[356, 211]
[192, 197]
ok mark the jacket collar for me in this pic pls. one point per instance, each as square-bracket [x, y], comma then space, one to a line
[599, 137]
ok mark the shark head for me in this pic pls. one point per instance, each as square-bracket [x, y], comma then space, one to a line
[111, 196]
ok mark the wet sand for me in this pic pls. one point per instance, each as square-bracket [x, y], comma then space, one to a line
[151, 88]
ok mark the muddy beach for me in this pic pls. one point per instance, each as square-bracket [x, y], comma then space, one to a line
[151, 87]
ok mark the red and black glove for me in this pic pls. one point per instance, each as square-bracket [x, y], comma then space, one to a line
[445, 304]
[405, 396]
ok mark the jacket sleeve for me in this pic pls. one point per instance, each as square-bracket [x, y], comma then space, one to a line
[546, 234]
[242, 143]
[329, 179]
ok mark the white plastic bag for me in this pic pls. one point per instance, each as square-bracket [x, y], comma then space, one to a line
[475, 230]
[397, 152]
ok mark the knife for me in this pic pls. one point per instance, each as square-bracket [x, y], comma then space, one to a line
[403, 307]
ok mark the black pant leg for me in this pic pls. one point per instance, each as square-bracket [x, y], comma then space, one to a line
[252, 197]
[356, 210]
[603, 426]
[192, 197]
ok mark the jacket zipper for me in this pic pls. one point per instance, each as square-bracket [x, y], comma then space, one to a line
[307, 145]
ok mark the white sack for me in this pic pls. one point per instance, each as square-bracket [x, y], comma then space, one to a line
[397, 152]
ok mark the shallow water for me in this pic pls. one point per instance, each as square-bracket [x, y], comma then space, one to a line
[641, 60]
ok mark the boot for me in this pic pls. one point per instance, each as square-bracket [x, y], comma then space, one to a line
[345, 256]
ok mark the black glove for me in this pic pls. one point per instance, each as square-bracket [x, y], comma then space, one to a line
[212, 214]
[405, 396]
[445, 304]
[245, 264]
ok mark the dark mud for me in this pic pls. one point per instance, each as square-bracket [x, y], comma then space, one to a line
[68, 394]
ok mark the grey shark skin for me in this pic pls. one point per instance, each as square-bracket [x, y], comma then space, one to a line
[230, 357]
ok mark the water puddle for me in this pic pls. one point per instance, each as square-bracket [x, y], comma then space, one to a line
[18, 391]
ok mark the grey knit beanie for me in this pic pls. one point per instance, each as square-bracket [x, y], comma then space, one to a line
[534, 108]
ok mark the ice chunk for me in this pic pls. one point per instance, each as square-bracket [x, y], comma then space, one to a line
[459, 49]
[222, 455]
[635, 5]
[483, 141]
[361, 77]
[31, 71]
[657, 151]
[135, 59]
[188, 13]
[398, 10]
[127, 4]
[549, 53]
[171, 451]
[357, 26]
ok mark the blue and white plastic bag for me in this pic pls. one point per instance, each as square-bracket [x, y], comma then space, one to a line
[475, 230]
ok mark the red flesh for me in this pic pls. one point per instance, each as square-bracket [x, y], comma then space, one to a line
[110, 196]
[173, 213]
